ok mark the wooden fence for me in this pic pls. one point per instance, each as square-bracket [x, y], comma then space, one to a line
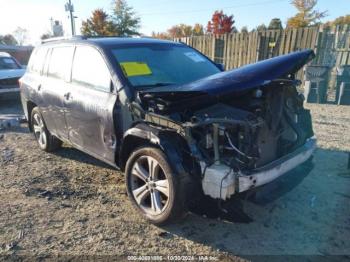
[331, 45]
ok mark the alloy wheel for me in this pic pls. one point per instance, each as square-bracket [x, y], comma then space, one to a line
[39, 130]
[149, 185]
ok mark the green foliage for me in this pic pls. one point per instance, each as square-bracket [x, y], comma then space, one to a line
[8, 40]
[275, 24]
[98, 25]
[124, 19]
[307, 15]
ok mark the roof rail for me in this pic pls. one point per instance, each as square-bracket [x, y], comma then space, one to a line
[113, 36]
[52, 39]
[103, 36]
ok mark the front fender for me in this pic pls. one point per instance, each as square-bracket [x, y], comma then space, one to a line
[170, 142]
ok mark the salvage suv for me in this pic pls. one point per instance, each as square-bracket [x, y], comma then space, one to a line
[177, 124]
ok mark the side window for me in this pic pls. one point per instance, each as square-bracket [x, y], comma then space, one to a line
[37, 59]
[60, 62]
[90, 69]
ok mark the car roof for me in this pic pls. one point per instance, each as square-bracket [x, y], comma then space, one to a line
[109, 41]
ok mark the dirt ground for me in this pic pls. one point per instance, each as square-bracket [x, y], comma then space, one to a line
[68, 204]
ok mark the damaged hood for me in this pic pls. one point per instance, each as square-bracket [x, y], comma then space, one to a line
[243, 78]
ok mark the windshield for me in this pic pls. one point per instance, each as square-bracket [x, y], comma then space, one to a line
[8, 63]
[160, 64]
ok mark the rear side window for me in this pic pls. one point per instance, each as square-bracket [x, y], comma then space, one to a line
[90, 69]
[37, 60]
[60, 62]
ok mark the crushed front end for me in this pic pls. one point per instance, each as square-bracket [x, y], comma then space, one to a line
[251, 140]
[242, 140]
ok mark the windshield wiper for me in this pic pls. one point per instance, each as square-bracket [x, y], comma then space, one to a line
[155, 85]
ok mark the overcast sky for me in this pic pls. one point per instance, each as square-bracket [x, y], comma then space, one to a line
[156, 15]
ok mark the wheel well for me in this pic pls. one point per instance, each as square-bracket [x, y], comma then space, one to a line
[30, 106]
[174, 147]
[130, 144]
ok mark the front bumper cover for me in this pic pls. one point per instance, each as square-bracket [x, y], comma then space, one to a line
[277, 168]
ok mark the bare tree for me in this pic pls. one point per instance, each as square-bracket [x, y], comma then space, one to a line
[21, 35]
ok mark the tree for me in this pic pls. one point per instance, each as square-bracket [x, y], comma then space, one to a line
[220, 23]
[341, 20]
[261, 27]
[98, 25]
[21, 35]
[275, 24]
[180, 30]
[125, 21]
[306, 15]
[8, 40]
[186, 29]
[244, 30]
[198, 30]
[45, 36]
[160, 35]
[175, 31]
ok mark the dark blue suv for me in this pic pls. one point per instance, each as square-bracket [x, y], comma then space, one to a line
[170, 118]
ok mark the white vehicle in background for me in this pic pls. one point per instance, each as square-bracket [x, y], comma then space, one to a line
[10, 71]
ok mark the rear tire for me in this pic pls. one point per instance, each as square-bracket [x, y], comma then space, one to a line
[155, 190]
[46, 141]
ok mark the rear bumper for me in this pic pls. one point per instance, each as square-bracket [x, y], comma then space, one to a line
[275, 169]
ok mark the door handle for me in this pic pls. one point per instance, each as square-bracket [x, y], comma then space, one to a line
[39, 87]
[67, 96]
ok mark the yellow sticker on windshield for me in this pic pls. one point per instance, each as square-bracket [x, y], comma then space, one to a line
[135, 69]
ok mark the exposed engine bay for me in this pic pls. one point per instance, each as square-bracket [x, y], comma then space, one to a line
[267, 125]
[247, 131]
[236, 135]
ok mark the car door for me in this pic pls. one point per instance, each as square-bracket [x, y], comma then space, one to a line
[54, 85]
[32, 79]
[89, 104]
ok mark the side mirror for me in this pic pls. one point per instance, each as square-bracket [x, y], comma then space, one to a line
[220, 66]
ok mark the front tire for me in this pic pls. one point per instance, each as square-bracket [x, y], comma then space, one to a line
[156, 191]
[46, 141]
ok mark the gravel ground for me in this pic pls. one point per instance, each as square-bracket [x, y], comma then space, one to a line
[68, 204]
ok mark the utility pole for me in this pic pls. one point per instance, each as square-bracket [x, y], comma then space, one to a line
[70, 8]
